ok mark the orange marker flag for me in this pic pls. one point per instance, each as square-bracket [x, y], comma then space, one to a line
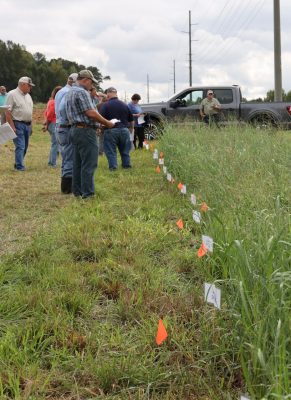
[158, 169]
[202, 250]
[161, 333]
[204, 207]
[180, 224]
[180, 185]
[161, 154]
[151, 147]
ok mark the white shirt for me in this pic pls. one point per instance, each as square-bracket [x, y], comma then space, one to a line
[21, 105]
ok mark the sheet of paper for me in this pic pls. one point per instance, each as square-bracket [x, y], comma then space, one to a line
[184, 189]
[6, 133]
[197, 217]
[161, 161]
[114, 120]
[208, 241]
[212, 294]
[193, 199]
[141, 120]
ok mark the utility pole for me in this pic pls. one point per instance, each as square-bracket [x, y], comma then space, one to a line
[174, 76]
[190, 48]
[277, 52]
[148, 88]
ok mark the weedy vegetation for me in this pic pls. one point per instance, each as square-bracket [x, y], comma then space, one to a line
[84, 283]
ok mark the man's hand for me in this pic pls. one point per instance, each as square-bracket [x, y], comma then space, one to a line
[110, 124]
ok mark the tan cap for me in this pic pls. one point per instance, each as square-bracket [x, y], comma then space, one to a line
[26, 79]
[86, 73]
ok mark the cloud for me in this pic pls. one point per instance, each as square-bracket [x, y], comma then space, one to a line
[233, 41]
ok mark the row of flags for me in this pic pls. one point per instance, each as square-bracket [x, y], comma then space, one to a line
[212, 294]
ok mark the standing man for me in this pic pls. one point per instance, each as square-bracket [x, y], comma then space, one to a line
[63, 135]
[136, 110]
[209, 108]
[119, 136]
[3, 95]
[83, 117]
[19, 116]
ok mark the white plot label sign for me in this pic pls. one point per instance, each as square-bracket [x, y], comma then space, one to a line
[212, 294]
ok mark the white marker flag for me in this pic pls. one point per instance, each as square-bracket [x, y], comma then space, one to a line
[161, 161]
[164, 170]
[155, 155]
[193, 199]
[212, 294]
[184, 189]
[244, 398]
[147, 146]
[169, 177]
[208, 241]
[196, 216]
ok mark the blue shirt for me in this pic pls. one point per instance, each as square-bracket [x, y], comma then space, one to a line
[77, 102]
[115, 108]
[3, 98]
[135, 109]
[61, 115]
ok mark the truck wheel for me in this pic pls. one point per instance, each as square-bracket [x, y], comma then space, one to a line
[263, 122]
[153, 130]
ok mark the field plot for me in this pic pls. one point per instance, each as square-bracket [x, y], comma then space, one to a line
[84, 283]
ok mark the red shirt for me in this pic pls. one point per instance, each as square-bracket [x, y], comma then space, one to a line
[50, 111]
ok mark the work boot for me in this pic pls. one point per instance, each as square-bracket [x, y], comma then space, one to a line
[66, 185]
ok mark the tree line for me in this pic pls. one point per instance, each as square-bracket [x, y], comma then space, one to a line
[270, 96]
[16, 61]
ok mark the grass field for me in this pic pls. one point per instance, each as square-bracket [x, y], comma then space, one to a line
[84, 283]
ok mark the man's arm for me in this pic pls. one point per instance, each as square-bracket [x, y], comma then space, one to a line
[93, 114]
[202, 114]
[9, 119]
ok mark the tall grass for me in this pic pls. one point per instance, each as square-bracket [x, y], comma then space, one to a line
[244, 177]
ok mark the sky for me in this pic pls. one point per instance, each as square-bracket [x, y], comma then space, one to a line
[134, 41]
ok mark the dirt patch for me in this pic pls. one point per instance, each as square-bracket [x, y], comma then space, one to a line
[38, 113]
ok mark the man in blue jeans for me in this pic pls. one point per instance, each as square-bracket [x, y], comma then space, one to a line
[119, 136]
[19, 117]
[83, 117]
[63, 135]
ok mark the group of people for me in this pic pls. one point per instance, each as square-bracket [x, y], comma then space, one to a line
[74, 116]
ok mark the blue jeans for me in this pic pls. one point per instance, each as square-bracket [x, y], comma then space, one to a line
[54, 144]
[65, 142]
[85, 160]
[23, 131]
[120, 138]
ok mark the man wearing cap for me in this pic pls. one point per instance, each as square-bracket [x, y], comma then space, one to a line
[3, 95]
[63, 135]
[19, 116]
[84, 117]
[209, 108]
[119, 136]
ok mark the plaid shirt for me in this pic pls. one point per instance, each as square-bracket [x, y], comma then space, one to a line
[78, 101]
